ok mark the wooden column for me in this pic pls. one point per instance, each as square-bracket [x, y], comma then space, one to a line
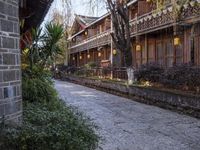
[146, 48]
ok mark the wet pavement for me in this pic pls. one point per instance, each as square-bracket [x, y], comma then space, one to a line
[128, 125]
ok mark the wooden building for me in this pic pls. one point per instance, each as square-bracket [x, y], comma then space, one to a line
[165, 37]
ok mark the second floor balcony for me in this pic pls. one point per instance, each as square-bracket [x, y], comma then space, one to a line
[98, 40]
[144, 24]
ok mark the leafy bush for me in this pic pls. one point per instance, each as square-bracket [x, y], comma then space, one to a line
[178, 76]
[37, 85]
[47, 128]
[47, 123]
[149, 72]
[182, 75]
[37, 72]
[90, 65]
[37, 90]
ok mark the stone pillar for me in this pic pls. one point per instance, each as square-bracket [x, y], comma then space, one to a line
[10, 71]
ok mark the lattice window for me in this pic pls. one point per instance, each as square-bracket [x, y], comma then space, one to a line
[151, 52]
[169, 53]
[160, 53]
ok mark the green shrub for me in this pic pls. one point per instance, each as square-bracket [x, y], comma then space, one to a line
[37, 73]
[37, 85]
[181, 75]
[44, 128]
[90, 65]
[149, 72]
[37, 90]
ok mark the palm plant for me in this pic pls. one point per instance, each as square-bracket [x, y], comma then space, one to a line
[42, 47]
[31, 54]
[53, 33]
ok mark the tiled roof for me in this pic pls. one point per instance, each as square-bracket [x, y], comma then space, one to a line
[86, 20]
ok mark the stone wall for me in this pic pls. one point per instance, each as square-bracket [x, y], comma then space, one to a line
[10, 72]
[176, 100]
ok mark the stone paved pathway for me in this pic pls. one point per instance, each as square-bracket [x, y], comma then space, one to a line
[128, 125]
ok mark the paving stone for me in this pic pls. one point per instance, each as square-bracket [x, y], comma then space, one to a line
[128, 125]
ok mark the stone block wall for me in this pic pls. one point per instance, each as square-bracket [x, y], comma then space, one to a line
[10, 72]
[182, 102]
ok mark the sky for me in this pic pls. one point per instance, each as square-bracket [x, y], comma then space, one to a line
[79, 7]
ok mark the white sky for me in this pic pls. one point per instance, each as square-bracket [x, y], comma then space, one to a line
[79, 7]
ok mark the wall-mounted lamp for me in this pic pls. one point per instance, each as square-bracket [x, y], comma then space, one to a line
[80, 57]
[114, 52]
[177, 41]
[86, 33]
[99, 54]
[138, 47]
[73, 58]
[88, 56]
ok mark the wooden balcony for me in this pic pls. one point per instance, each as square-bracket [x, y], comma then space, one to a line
[146, 23]
[92, 42]
[152, 21]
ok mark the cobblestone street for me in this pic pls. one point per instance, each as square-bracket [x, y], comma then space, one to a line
[128, 125]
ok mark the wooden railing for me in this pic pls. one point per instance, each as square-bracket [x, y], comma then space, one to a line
[100, 72]
[92, 42]
[152, 21]
[146, 23]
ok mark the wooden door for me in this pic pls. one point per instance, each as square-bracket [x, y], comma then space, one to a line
[169, 52]
[179, 52]
[160, 53]
[151, 51]
[197, 50]
[138, 58]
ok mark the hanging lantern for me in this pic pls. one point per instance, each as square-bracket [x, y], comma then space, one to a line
[138, 47]
[114, 52]
[80, 57]
[86, 32]
[99, 54]
[148, 1]
[73, 58]
[88, 56]
[177, 41]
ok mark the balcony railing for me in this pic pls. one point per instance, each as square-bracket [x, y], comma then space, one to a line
[101, 72]
[143, 24]
[152, 21]
[92, 42]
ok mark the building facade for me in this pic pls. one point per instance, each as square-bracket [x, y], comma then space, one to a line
[163, 38]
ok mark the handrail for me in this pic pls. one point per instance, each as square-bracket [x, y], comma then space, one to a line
[92, 38]
[134, 20]
[150, 21]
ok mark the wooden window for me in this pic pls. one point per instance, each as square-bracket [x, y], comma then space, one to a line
[160, 53]
[169, 53]
[138, 58]
[144, 54]
[196, 44]
[179, 54]
[133, 13]
[197, 50]
[107, 23]
[151, 52]
[95, 56]
[100, 29]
